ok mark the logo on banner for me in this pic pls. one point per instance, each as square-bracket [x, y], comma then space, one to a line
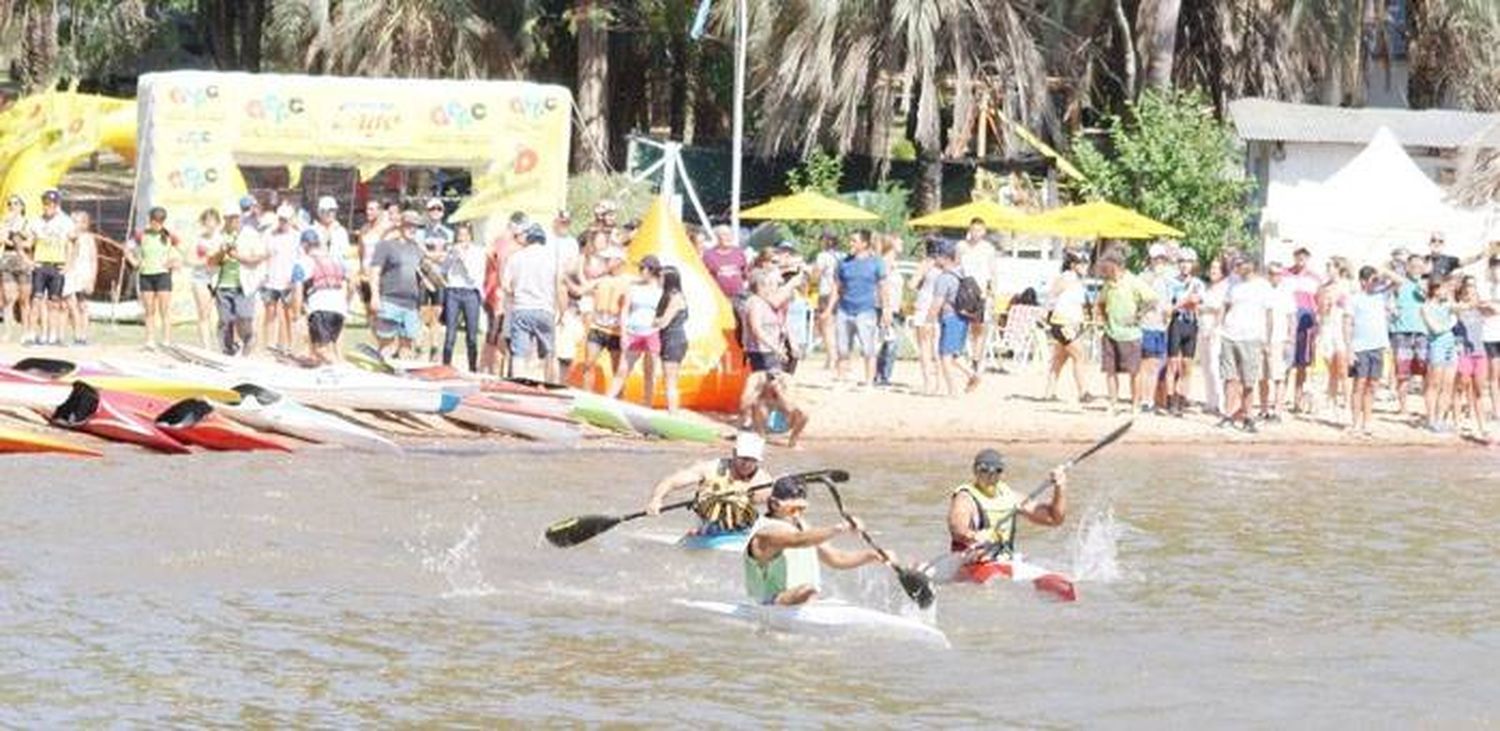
[193, 96]
[192, 178]
[533, 106]
[194, 137]
[525, 161]
[367, 118]
[274, 109]
[458, 115]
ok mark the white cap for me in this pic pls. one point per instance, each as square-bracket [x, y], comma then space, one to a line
[231, 208]
[327, 203]
[749, 445]
[433, 203]
[286, 211]
[1157, 251]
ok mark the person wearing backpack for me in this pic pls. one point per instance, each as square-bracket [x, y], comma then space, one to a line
[979, 261]
[953, 327]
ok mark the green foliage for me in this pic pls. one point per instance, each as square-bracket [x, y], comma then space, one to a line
[820, 172]
[888, 200]
[903, 150]
[586, 190]
[1170, 159]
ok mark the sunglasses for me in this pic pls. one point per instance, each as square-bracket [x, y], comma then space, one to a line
[988, 470]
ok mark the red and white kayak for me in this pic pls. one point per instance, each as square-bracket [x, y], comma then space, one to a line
[195, 421]
[1019, 570]
[112, 416]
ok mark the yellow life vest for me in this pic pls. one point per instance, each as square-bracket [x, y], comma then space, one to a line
[724, 503]
[1002, 507]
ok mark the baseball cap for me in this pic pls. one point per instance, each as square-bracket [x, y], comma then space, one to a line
[411, 218]
[749, 445]
[1157, 251]
[788, 488]
[310, 236]
[605, 206]
[327, 203]
[563, 215]
[1186, 254]
[535, 234]
[246, 203]
[51, 196]
[286, 211]
[433, 203]
[230, 208]
[989, 460]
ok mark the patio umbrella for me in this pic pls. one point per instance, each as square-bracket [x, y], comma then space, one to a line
[808, 206]
[993, 214]
[1101, 220]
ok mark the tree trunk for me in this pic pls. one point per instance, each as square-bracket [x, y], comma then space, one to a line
[1157, 21]
[927, 193]
[678, 97]
[591, 149]
[252, 28]
[1127, 41]
[1424, 86]
[39, 49]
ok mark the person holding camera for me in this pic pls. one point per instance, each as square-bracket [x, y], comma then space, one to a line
[227, 271]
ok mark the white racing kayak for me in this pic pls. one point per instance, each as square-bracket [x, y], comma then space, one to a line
[270, 411]
[826, 617]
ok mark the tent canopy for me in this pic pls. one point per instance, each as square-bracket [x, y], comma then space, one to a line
[807, 206]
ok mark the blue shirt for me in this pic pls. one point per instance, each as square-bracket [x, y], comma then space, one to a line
[859, 283]
[1409, 301]
[1369, 316]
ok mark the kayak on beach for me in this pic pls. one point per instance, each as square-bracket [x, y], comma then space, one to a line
[823, 617]
[263, 408]
[112, 415]
[113, 379]
[19, 441]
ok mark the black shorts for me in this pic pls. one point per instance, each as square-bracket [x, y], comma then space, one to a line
[674, 345]
[608, 341]
[324, 328]
[431, 297]
[1492, 349]
[763, 362]
[156, 282]
[46, 282]
[1063, 334]
[1182, 338]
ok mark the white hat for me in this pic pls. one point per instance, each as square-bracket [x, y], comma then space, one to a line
[230, 208]
[286, 211]
[327, 203]
[1157, 251]
[749, 445]
[433, 203]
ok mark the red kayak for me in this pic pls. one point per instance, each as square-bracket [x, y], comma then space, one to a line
[1047, 582]
[194, 421]
[111, 415]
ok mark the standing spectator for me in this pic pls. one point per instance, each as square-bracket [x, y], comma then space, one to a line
[1489, 304]
[1331, 346]
[1160, 277]
[1278, 355]
[1210, 335]
[327, 284]
[1408, 333]
[763, 338]
[1122, 300]
[15, 268]
[671, 318]
[860, 305]
[1442, 352]
[1186, 295]
[494, 357]
[825, 269]
[228, 266]
[640, 338]
[892, 288]
[563, 242]
[82, 271]
[463, 270]
[435, 239]
[210, 240]
[1068, 297]
[283, 247]
[394, 288]
[728, 266]
[51, 238]
[924, 281]
[1472, 369]
[953, 330]
[332, 234]
[978, 259]
[1439, 264]
[605, 218]
[606, 295]
[532, 287]
[1304, 284]
[1368, 340]
[1246, 331]
[154, 253]
[375, 229]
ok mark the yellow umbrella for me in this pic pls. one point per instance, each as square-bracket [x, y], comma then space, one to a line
[808, 206]
[993, 214]
[1099, 219]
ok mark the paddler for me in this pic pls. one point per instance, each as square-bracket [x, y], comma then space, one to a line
[784, 559]
[982, 514]
[724, 502]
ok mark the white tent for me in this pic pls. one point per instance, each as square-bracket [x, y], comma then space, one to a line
[1378, 201]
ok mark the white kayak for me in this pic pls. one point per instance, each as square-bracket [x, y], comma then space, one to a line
[37, 396]
[270, 411]
[521, 425]
[825, 618]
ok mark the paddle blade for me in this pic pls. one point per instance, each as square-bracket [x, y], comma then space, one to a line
[916, 585]
[574, 531]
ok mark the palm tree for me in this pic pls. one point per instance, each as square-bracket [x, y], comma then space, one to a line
[39, 47]
[591, 22]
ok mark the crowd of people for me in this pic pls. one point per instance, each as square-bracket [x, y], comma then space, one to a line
[48, 264]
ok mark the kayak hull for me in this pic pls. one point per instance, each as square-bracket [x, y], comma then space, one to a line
[113, 416]
[269, 411]
[1049, 583]
[728, 542]
[824, 618]
[24, 441]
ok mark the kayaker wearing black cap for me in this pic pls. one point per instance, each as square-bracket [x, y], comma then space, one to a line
[724, 501]
[983, 512]
[784, 559]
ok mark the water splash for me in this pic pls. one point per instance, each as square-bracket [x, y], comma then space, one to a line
[1095, 547]
[458, 564]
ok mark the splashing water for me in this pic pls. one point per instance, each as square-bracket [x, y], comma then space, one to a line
[458, 564]
[1095, 547]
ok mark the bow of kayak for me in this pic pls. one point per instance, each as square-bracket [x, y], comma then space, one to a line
[827, 618]
[194, 421]
[1018, 570]
[112, 416]
[19, 441]
[262, 408]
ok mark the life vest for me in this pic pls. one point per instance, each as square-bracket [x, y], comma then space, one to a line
[987, 511]
[326, 274]
[792, 567]
[723, 502]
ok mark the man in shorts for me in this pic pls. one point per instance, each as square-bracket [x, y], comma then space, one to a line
[532, 285]
[1245, 331]
[825, 268]
[1304, 283]
[953, 330]
[1122, 300]
[1182, 331]
[394, 288]
[1160, 276]
[1279, 350]
[327, 286]
[978, 258]
[228, 265]
[1408, 331]
[1365, 331]
[607, 295]
[860, 302]
[52, 238]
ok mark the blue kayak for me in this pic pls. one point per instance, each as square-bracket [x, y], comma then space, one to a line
[715, 541]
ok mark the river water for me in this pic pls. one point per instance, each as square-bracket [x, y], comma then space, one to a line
[324, 588]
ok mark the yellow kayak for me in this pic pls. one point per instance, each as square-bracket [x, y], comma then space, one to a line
[26, 440]
[160, 388]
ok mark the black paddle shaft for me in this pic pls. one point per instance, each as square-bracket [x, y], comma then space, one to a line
[914, 583]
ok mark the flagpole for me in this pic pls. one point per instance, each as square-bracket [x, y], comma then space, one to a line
[737, 143]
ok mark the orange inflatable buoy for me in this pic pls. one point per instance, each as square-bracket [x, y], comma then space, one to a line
[713, 372]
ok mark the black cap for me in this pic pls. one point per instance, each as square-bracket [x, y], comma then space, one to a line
[535, 235]
[157, 213]
[788, 488]
[1302, 251]
[51, 196]
[989, 460]
[649, 263]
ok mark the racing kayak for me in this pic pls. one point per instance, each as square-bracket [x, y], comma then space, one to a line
[1019, 570]
[17, 441]
[476, 410]
[727, 542]
[194, 421]
[622, 416]
[265, 409]
[824, 617]
[112, 379]
[112, 416]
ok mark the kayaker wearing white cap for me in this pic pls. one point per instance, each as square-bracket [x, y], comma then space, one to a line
[724, 501]
[784, 558]
[983, 513]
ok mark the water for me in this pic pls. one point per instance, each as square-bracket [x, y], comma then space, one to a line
[1232, 589]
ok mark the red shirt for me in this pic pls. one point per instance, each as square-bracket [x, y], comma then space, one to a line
[727, 264]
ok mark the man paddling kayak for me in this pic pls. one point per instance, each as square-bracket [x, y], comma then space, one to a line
[784, 560]
[724, 502]
[982, 515]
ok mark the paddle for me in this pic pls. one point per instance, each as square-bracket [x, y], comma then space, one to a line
[915, 583]
[949, 562]
[573, 531]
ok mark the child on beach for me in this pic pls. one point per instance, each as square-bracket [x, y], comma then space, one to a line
[1442, 353]
[1473, 370]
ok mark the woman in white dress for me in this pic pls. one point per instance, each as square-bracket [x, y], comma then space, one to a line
[1067, 297]
[1210, 313]
[79, 282]
[921, 319]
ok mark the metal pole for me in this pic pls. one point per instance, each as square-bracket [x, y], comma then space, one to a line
[742, 21]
